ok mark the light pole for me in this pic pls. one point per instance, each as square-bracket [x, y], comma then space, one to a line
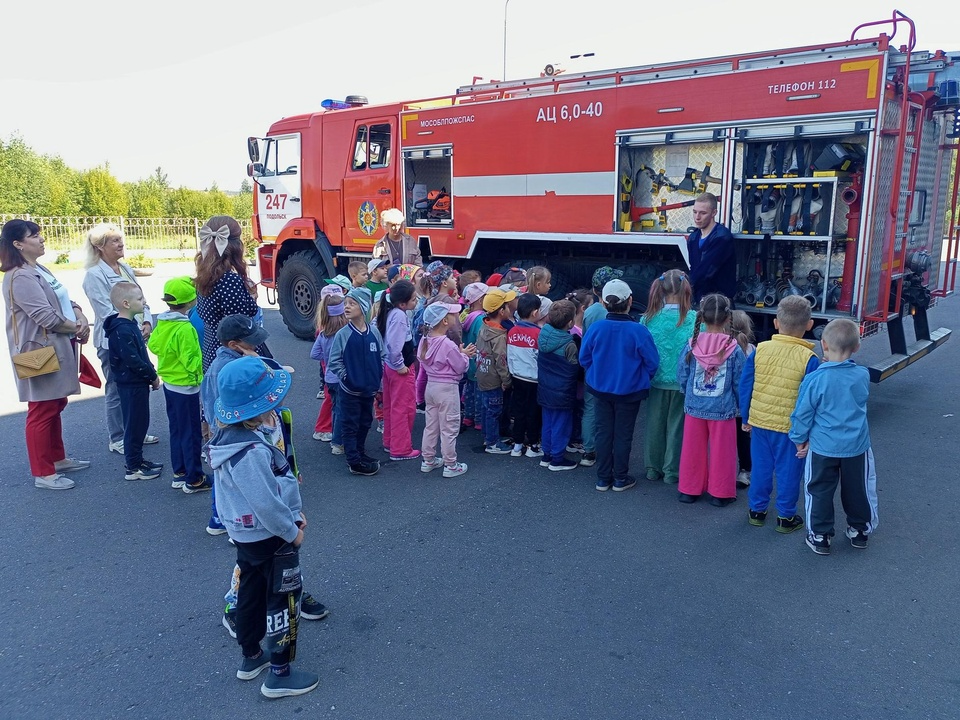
[505, 39]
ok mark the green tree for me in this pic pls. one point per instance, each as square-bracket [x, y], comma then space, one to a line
[147, 198]
[63, 184]
[243, 203]
[102, 193]
[23, 179]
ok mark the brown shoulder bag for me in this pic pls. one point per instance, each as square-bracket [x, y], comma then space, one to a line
[31, 363]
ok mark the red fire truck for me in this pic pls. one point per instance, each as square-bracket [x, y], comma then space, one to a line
[834, 166]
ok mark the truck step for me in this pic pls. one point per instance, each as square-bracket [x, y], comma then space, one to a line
[897, 362]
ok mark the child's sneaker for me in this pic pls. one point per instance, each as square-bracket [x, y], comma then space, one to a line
[589, 459]
[311, 608]
[757, 518]
[178, 481]
[454, 470]
[743, 479]
[251, 667]
[788, 525]
[858, 538]
[500, 448]
[146, 471]
[534, 451]
[624, 483]
[201, 485]
[230, 622]
[563, 464]
[365, 468]
[295, 682]
[820, 544]
[412, 455]
[323, 436]
[517, 450]
[431, 465]
[575, 447]
[604, 485]
[320, 394]
[380, 426]
[336, 449]
[214, 528]
[545, 463]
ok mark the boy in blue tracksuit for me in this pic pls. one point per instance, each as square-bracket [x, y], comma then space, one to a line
[829, 427]
[619, 358]
[558, 370]
[356, 357]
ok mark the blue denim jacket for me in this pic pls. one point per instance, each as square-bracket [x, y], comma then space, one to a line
[717, 399]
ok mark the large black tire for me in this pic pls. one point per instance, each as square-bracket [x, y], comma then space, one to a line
[298, 291]
[639, 275]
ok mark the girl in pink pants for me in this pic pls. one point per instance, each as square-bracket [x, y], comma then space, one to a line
[444, 364]
[399, 406]
[709, 375]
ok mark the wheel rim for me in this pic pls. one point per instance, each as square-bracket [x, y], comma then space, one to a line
[303, 296]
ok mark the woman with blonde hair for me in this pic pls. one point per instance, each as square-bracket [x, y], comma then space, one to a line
[103, 248]
[223, 287]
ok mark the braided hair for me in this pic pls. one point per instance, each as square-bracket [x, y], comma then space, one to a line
[715, 309]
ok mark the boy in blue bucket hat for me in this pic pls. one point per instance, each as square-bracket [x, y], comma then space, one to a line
[258, 499]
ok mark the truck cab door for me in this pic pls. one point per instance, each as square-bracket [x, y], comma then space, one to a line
[278, 185]
[370, 182]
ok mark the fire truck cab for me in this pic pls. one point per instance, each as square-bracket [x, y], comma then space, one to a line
[834, 167]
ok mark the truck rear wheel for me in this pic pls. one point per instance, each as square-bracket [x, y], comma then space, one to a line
[298, 291]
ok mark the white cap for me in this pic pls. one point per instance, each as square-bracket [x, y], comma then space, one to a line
[618, 289]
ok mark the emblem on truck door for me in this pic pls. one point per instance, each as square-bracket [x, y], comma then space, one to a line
[368, 218]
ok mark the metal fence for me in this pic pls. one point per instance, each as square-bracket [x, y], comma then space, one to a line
[68, 234]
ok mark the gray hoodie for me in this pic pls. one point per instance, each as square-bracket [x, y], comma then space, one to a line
[258, 497]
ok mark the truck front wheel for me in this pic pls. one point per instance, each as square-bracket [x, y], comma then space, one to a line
[298, 291]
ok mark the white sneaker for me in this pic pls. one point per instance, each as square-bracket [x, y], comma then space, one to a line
[517, 450]
[68, 464]
[743, 479]
[150, 439]
[336, 449]
[116, 447]
[453, 470]
[323, 436]
[534, 451]
[430, 465]
[53, 482]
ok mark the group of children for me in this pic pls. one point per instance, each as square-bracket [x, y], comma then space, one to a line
[547, 379]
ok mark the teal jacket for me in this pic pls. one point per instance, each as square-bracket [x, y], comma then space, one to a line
[175, 343]
[671, 342]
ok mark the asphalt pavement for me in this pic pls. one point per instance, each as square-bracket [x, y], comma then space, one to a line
[508, 592]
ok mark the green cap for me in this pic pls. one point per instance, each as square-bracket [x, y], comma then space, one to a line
[179, 291]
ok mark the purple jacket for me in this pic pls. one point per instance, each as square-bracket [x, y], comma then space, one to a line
[443, 362]
[398, 332]
[321, 353]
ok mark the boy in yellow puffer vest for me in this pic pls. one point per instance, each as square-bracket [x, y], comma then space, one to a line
[768, 393]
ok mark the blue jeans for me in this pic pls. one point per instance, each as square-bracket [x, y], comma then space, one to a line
[557, 426]
[333, 392]
[491, 407]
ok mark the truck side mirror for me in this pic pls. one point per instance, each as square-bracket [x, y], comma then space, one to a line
[253, 149]
[254, 169]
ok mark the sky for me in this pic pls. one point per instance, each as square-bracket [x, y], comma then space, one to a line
[180, 85]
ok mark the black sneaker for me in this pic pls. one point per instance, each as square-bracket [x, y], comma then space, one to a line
[563, 464]
[687, 499]
[758, 517]
[230, 623]
[722, 502]
[364, 468]
[297, 682]
[588, 459]
[201, 485]
[312, 609]
[251, 667]
[820, 544]
[624, 483]
[788, 525]
[858, 538]
[146, 471]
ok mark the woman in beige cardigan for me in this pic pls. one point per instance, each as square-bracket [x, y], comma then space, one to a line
[44, 315]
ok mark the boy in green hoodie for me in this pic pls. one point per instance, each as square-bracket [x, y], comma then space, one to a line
[180, 367]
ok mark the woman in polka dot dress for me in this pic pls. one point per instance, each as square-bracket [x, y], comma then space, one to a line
[223, 287]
